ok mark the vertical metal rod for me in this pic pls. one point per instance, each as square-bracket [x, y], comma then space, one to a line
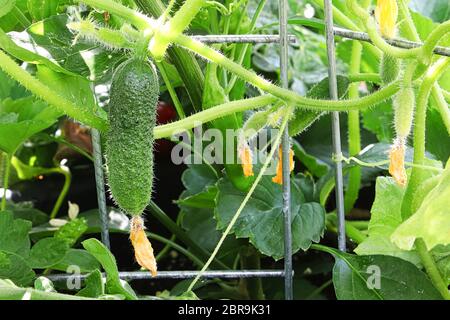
[100, 181]
[284, 47]
[335, 124]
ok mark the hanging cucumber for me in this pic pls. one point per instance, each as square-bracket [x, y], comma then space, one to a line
[129, 147]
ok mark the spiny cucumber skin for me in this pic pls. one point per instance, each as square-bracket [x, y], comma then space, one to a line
[404, 105]
[389, 68]
[129, 143]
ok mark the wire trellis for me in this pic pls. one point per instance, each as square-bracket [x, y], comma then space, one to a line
[283, 39]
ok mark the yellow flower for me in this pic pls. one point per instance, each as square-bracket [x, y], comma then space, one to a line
[397, 163]
[279, 177]
[386, 13]
[143, 250]
[246, 156]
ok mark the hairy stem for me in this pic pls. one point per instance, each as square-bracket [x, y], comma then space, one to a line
[442, 106]
[288, 96]
[432, 75]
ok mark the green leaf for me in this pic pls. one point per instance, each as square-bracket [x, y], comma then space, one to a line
[44, 284]
[437, 10]
[41, 9]
[385, 217]
[431, 222]
[78, 257]
[316, 166]
[14, 267]
[378, 120]
[26, 117]
[35, 216]
[49, 42]
[72, 231]
[200, 190]
[6, 6]
[104, 256]
[47, 252]
[14, 234]
[378, 277]
[93, 286]
[441, 255]
[75, 88]
[261, 220]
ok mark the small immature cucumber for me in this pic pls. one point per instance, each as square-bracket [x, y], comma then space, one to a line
[389, 68]
[129, 145]
[404, 105]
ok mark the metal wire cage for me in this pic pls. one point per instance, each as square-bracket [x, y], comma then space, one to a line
[283, 40]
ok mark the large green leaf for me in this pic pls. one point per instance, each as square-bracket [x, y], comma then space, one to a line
[81, 258]
[114, 284]
[378, 277]
[52, 40]
[262, 218]
[15, 268]
[47, 252]
[385, 218]
[14, 234]
[431, 222]
[20, 119]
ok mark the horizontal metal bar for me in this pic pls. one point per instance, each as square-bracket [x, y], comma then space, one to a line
[242, 38]
[141, 275]
[341, 32]
[406, 44]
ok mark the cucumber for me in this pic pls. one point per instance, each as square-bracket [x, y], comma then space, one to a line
[404, 105]
[389, 68]
[129, 143]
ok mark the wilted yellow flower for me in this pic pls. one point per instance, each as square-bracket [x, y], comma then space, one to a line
[386, 13]
[279, 177]
[143, 250]
[397, 163]
[246, 156]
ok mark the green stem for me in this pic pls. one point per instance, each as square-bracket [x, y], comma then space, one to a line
[6, 180]
[244, 202]
[45, 93]
[138, 19]
[354, 135]
[165, 33]
[290, 97]
[431, 268]
[319, 289]
[367, 77]
[432, 40]
[408, 26]
[432, 75]
[442, 106]
[202, 117]
[65, 189]
[171, 90]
